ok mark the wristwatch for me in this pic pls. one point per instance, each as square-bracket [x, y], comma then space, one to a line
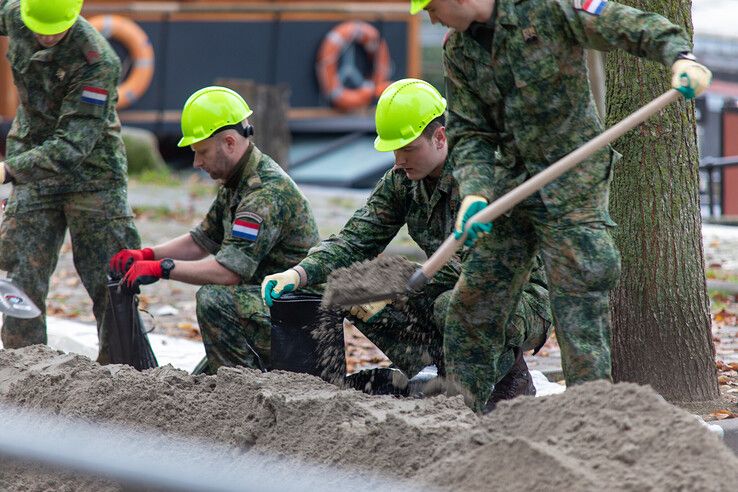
[167, 265]
[685, 55]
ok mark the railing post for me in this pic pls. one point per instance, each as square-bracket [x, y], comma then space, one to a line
[710, 190]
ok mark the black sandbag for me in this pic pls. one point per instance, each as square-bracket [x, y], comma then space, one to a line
[296, 345]
[127, 340]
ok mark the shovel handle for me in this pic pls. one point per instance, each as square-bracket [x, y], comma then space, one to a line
[507, 201]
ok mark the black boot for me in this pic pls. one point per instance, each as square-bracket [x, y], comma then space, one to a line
[517, 382]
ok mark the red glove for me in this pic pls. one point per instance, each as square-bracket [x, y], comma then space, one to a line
[123, 259]
[143, 272]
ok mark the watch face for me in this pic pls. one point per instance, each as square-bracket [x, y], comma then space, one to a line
[167, 264]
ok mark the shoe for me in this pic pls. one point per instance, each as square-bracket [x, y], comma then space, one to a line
[378, 381]
[517, 382]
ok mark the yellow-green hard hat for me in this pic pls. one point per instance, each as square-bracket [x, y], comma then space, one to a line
[49, 17]
[404, 110]
[418, 5]
[209, 110]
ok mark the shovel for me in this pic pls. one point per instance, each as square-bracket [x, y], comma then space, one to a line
[16, 303]
[507, 201]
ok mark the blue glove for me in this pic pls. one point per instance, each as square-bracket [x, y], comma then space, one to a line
[470, 206]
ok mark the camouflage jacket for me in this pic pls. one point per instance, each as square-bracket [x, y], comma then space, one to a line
[518, 86]
[428, 211]
[66, 132]
[430, 214]
[260, 223]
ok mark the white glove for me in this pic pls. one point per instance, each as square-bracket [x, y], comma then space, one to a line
[367, 312]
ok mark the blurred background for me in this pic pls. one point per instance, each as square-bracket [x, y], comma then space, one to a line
[312, 70]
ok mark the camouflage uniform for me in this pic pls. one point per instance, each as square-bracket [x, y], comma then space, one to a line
[69, 165]
[519, 99]
[411, 336]
[234, 321]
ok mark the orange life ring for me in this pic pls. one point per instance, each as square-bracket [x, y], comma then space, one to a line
[136, 42]
[327, 65]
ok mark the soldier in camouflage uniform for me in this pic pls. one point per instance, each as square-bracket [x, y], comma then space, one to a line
[65, 157]
[519, 99]
[259, 223]
[420, 192]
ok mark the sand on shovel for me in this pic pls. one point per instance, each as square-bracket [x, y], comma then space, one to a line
[381, 278]
[594, 436]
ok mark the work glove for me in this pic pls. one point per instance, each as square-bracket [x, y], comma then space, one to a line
[273, 286]
[123, 259]
[369, 312]
[470, 206]
[143, 272]
[690, 78]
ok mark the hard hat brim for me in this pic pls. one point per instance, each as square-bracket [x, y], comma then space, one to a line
[187, 141]
[45, 29]
[391, 145]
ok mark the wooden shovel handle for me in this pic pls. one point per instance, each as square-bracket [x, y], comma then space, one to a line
[507, 201]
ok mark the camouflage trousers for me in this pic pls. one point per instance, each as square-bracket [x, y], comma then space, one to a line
[582, 265]
[411, 336]
[235, 326]
[31, 236]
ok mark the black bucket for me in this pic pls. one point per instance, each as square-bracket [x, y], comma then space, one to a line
[297, 345]
[127, 339]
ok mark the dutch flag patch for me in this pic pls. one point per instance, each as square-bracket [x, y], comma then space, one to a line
[94, 95]
[246, 226]
[593, 7]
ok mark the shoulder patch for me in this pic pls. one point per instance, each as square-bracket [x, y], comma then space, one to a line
[246, 226]
[94, 95]
[92, 56]
[249, 215]
[593, 7]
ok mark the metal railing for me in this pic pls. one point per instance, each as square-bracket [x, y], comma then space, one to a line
[711, 188]
[140, 459]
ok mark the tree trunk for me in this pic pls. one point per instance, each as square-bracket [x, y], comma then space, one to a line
[661, 317]
[270, 105]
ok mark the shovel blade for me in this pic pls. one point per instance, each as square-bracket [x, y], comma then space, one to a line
[356, 298]
[16, 303]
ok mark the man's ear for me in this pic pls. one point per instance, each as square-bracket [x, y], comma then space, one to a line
[230, 141]
[439, 137]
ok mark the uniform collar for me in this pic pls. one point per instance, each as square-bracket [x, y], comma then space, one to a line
[245, 167]
[444, 184]
[506, 12]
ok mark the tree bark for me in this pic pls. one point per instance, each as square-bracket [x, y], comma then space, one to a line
[660, 309]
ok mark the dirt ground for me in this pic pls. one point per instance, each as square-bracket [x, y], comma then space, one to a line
[594, 436]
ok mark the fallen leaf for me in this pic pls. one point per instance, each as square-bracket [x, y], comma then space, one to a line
[723, 414]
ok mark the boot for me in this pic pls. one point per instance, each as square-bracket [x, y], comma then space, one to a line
[517, 382]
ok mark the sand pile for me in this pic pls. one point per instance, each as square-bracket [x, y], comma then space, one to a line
[593, 436]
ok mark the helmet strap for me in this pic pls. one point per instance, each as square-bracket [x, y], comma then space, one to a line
[246, 131]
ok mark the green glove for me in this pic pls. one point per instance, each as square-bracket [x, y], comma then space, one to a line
[470, 206]
[273, 286]
[690, 78]
[369, 312]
